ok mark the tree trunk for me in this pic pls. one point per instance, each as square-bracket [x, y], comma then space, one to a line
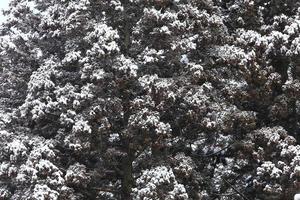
[127, 179]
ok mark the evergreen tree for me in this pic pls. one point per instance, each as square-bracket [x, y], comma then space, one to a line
[150, 99]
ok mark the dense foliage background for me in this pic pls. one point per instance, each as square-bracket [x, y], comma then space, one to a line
[150, 99]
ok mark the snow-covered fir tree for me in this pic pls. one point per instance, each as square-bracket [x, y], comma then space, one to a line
[150, 99]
